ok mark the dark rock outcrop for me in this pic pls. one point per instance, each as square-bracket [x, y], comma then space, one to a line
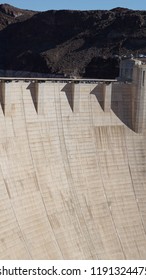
[72, 43]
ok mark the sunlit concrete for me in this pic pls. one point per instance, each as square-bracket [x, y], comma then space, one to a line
[72, 171]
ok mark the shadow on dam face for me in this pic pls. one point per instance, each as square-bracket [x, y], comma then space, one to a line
[72, 182]
[69, 91]
[121, 102]
[33, 87]
[122, 105]
[98, 92]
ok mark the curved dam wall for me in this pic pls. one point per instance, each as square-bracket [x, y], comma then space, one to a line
[72, 173]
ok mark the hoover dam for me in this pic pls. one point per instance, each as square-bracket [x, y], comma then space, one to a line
[72, 169]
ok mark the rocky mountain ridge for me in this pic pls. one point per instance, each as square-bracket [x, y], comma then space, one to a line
[10, 14]
[71, 43]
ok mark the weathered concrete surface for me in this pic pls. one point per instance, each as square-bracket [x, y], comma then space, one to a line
[72, 175]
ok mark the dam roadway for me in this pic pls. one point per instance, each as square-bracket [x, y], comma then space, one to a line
[72, 170]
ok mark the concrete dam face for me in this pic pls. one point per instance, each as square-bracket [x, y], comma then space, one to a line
[72, 171]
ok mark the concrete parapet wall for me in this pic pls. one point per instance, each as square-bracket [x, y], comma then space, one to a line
[72, 174]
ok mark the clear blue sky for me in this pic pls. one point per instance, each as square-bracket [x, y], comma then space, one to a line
[42, 5]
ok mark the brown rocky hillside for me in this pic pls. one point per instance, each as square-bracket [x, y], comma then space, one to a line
[72, 43]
